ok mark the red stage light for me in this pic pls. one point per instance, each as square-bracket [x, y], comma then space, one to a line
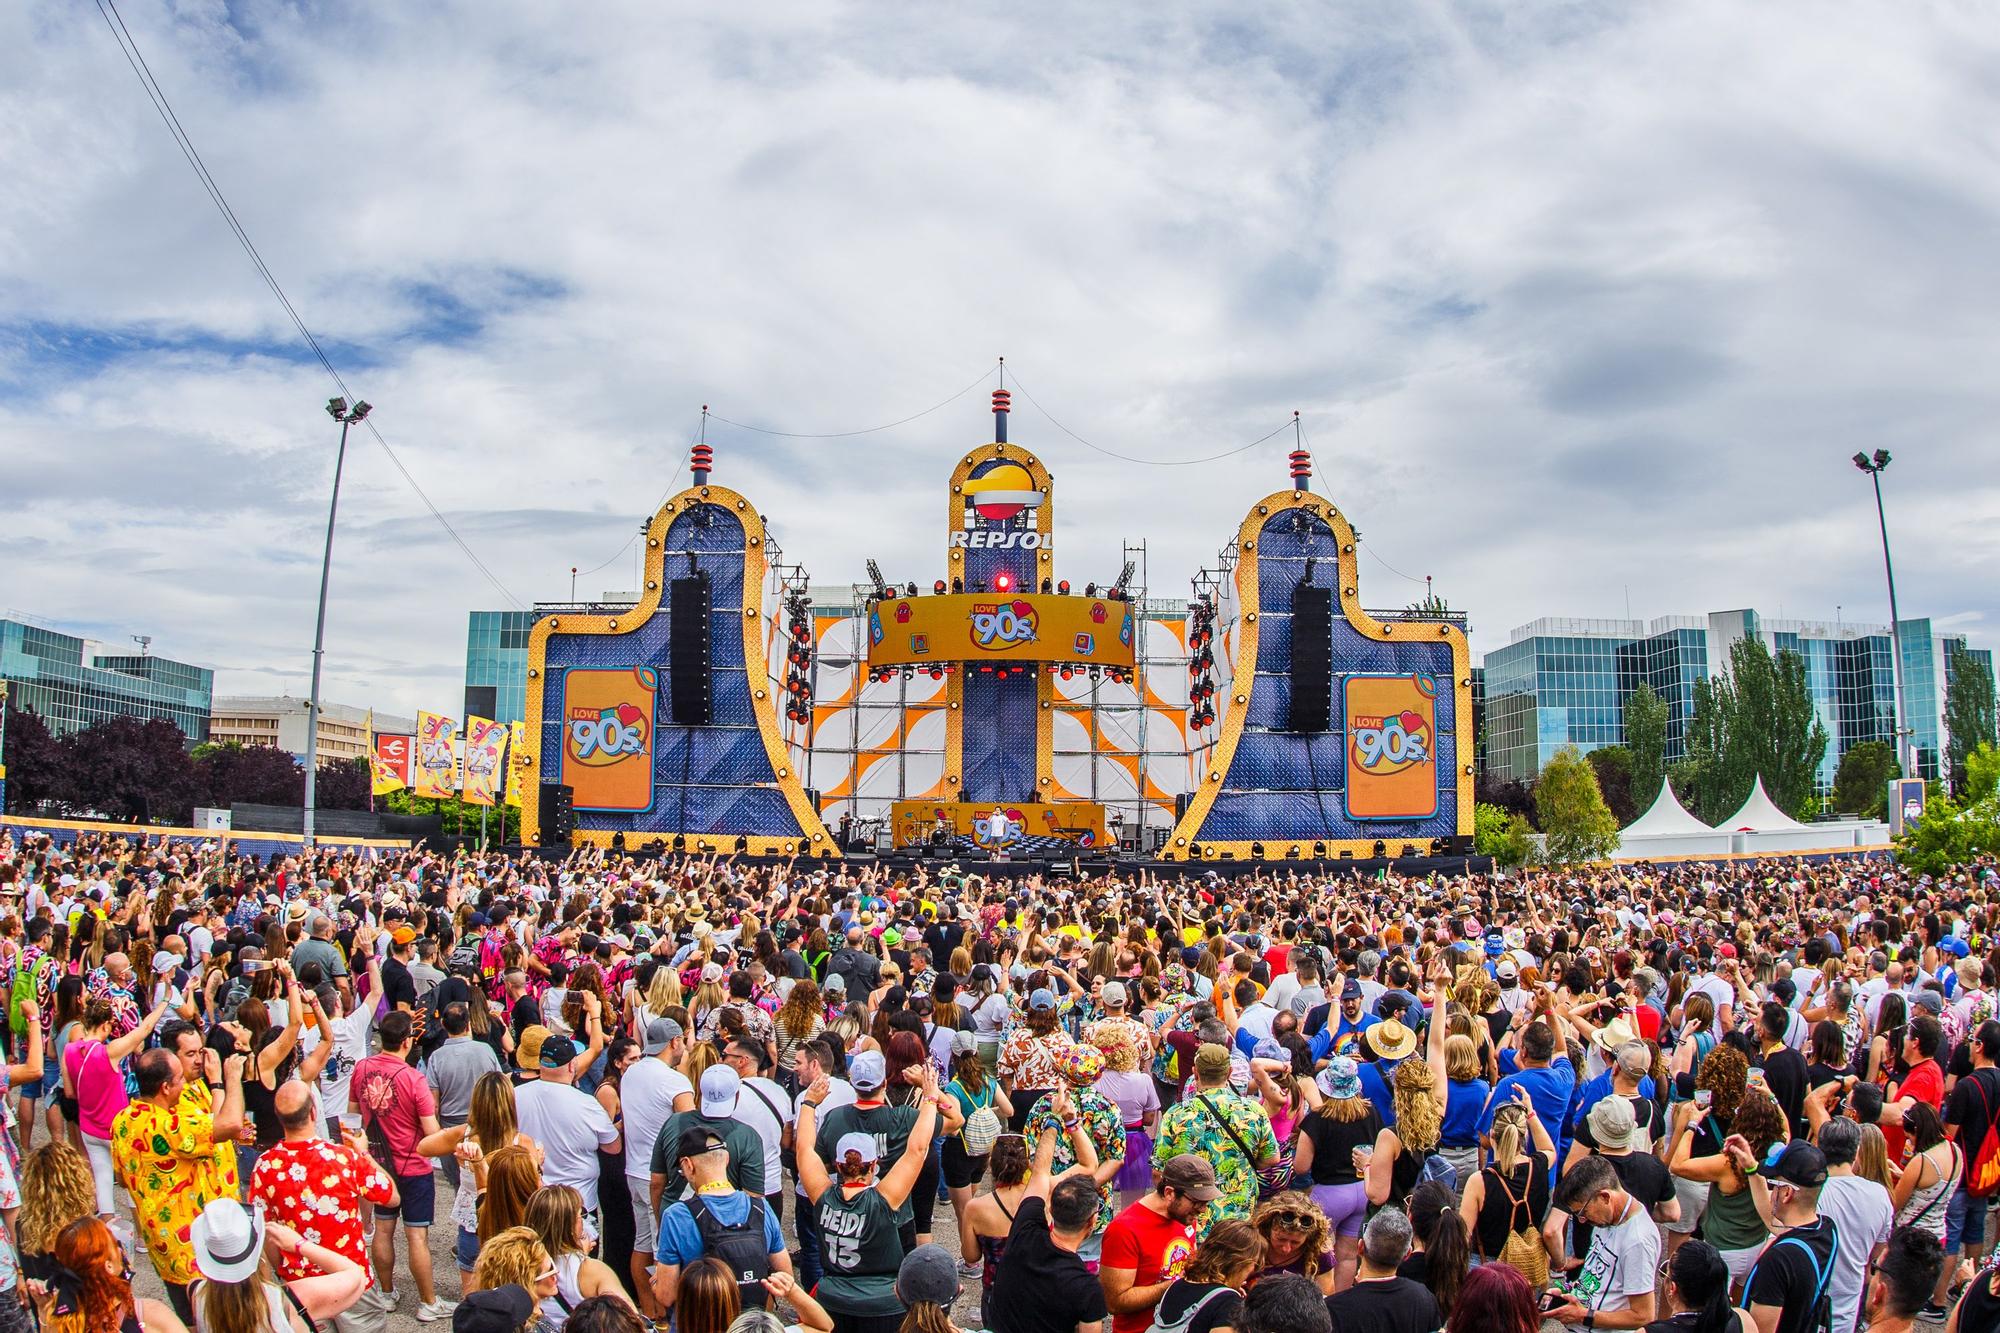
[1063, 587]
[1003, 582]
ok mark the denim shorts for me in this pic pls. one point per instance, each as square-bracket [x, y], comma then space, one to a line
[1964, 1221]
[416, 1203]
[468, 1249]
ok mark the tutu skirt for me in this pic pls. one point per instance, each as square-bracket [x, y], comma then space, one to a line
[1137, 1172]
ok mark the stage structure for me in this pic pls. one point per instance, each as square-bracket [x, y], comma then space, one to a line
[1000, 708]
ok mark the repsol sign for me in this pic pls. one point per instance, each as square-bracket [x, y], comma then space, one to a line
[990, 540]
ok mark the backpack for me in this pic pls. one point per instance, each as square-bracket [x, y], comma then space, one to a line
[27, 982]
[982, 1127]
[1821, 1305]
[1523, 1250]
[1982, 1174]
[1186, 1321]
[741, 1248]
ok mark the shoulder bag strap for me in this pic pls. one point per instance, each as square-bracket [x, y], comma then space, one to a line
[768, 1105]
[1227, 1128]
[293, 1297]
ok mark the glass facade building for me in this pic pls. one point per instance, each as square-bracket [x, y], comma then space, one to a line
[56, 676]
[1565, 682]
[496, 658]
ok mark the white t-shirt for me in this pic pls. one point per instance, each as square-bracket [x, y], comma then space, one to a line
[1623, 1261]
[646, 1096]
[839, 1092]
[768, 1118]
[1283, 988]
[1720, 992]
[990, 1017]
[571, 1126]
[350, 1048]
[1865, 1214]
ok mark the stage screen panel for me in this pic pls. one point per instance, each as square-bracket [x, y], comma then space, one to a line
[977, 628]
[1391, 746]
[607, 736]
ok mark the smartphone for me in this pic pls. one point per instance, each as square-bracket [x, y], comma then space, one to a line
[1704, 1098]
[1553, 1298]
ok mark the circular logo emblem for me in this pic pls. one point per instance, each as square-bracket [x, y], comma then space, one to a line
[1002, 491]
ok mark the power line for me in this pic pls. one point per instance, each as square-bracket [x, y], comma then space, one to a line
[1148, 462]
[128, 47]
[866, 430]
[619, 555]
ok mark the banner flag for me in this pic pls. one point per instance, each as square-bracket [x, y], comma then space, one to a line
[517, 740]
[434, 768]
[390, 763]
[485, 756]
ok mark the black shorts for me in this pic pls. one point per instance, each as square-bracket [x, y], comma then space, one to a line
[960, 1170]
[416, 1202]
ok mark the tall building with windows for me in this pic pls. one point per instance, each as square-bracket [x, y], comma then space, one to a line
[71, 684]
[1564, 682]
[345, 732]
[496, 660]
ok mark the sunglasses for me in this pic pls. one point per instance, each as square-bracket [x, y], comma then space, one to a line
[547, 1275]
[1294, 1221]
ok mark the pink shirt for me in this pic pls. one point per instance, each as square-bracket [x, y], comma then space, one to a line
[100, 1088]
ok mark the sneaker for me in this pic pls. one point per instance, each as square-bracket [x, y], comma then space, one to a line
[434, 1310]
[1933, 1312]
[966, 1270]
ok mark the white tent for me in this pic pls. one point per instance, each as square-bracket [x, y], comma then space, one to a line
[1759, 815]
[1665, 817]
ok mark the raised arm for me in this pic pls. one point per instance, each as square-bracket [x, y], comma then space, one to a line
[902, 1177]
[120, 1047]
[812, 1171]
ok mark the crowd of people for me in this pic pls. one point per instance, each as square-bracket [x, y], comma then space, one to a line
[721, 1097]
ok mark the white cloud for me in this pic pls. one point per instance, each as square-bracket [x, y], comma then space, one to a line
[1574, 300]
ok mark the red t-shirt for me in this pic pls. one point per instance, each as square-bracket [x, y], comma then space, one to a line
[394, 1098]
[1924, 1083]
[1279, 958]
[1154, 1246]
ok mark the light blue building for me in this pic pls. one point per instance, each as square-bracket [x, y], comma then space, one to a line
[496, 659]
[58, 677]
[1564, 682]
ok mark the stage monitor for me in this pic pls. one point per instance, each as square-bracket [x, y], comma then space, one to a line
[979, 628]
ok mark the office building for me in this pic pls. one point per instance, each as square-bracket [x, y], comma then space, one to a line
[344, 732]
[1565, 682]
[496, 654]
[71, 683]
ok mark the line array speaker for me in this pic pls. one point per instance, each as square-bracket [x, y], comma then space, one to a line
[557, 816]
[1312, 658]
[690, 696]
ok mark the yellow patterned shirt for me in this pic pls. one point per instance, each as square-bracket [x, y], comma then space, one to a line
[170, 1163]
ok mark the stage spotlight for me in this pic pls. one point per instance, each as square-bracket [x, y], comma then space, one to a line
[1090, 590]
[1319, 851]
[913, 587]
[1063, 587]
[1257, 851]
[1067, 673]
[1046, 586]
[1409, 850]
[938, 586]
[958, 585]
[1003, 582]
[742, 844]
[937, 673]
[1381, 848]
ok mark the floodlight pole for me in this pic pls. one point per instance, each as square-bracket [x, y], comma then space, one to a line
[1905, 733]
[339, 411]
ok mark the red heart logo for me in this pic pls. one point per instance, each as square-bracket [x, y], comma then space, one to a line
[1024, 608]
[1412, 723]
[629, 714]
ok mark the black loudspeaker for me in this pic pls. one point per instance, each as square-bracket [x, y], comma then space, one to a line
[481, 700]
[558, 815]
[1312, 658]
[688, 689]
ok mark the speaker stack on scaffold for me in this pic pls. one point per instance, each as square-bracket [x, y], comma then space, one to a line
[558, 815]
[690, 698]
[1312, 659]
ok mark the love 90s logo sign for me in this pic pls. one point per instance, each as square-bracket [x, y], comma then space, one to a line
[1391, 746]
[607, 739]
[1002, 625]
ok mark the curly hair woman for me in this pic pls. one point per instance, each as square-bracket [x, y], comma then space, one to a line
[1296, 1239]
[1398, 1156]
[1701, 1124]
[1733, 1224]
[799, 1019]
[56, 1188]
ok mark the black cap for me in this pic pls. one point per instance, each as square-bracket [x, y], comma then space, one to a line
[698, 1139]
[1801, 1164]
[495, 1310]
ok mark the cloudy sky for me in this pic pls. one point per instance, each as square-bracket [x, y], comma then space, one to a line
[1584, 306]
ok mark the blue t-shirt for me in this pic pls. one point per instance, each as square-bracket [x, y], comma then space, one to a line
[680, 1239]
[1342, 1037]
[1377, 1087]
[1463, 1102]
[1548, 1092]
[1596, 1091]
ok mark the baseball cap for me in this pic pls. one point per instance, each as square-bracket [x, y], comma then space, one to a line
[1211, 1060]
[867, 1072]
[557, 1051]
[528, 1052]
[857, 1142]
[1043, 998]
[963, 1042]
[402, 935]
[719, 1086]
[1725, 950]
[1929, 999]
[698, 1139]
[929, 1274]
[1192, 1176]
[1351, 991]
[494, 1310]
[660, 1033]
[1798, 1163]
[1113, 995]
[835, 984]
[165, 961]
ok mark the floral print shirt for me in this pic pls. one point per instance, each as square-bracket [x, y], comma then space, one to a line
[1031, 1062]
[1189, 1126]
[173, 1168]
[1101, 1121]
[317, 1189]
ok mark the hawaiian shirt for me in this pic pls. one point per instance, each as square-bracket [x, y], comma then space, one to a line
[1190, 1126]
[124, 1002]
[317, 1189]
[169, 1162]
[756, 1022]
[1169, 1018]
[45, 987]
[1029, 1062]
[549, 950]
[1107, 1134]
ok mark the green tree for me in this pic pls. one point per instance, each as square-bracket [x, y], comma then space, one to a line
[1429, 607]
[1982, 772]
[1708, 778]
[1501, 834]
[36, 774]
[1950, 835]
[1646, 738]
[1757, 719]
[1686, 776]
[132, 769]
[457, 818]
[1861, 785]
[1969, 708]
[1576, 824]
[1613, 766]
